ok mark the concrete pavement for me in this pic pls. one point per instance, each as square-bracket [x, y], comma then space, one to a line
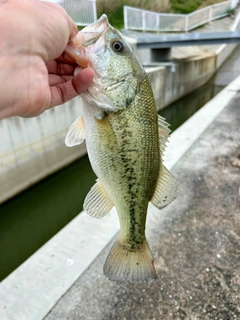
[195, 242]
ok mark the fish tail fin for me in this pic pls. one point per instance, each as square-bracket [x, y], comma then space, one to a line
[136, 265]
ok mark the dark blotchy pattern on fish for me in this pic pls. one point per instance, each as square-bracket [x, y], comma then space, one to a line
[131, 161]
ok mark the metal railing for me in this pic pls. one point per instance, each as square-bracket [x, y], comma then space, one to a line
[83, 12]
[138, 19]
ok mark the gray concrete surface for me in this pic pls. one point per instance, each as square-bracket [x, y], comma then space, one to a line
[158, 41]
[195, 242]
[34, 288]
[229, 70]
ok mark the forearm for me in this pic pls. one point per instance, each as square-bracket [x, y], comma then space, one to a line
[7, 95]
[17, 27]
[16, 55]
[21, 56]
[32, 33]
[22, 87]
[36, 27]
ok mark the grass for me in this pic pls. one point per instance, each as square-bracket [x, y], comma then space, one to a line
[114, 10]
[187, 6]
[116, 18]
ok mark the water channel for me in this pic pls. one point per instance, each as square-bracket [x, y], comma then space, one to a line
[31, 218]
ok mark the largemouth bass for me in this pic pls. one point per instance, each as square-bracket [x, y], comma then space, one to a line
[125, 141]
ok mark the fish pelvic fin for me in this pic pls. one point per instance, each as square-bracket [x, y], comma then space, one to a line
[97, 202]
[166, 188]
[136, 265]
[76, 133]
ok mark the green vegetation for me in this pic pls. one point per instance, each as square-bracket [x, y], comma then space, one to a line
[231, 11]
[185, 6]
[115, 17]
[114, 10]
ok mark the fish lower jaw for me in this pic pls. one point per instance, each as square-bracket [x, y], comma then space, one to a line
[77, 70]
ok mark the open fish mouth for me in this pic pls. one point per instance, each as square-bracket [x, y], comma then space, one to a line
[98, 26]
[89, 40]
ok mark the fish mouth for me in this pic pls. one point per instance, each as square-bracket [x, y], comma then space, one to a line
[81, 46]
[98, 26]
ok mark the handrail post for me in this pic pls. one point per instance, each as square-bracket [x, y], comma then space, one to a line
[125, 20]
[210, 14]
[186, 23]
[158, 22]
[233, 4]
[94, 10]
[143, 21]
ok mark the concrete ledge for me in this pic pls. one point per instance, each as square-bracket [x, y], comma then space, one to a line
[32, 290]
[183, 137]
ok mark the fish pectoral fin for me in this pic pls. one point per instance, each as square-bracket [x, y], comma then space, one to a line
[135, 265]
[76, 133]
[166, 189]
[97, 202]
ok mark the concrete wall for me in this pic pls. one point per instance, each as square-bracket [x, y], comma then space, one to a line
[171, 82]
[31, 149]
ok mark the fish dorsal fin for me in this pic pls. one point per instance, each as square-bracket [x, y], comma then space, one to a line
[76, 133]
[97, 202]
[166, 189]
[163, 133]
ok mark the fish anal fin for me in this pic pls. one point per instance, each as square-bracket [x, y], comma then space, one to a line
[76, 133]
[166, 188]
[97, 202]
[130, 265]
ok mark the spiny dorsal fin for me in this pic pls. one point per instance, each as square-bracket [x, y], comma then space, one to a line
[97, 203]
[135, 265]
[166, 189]
[76, 133]
[163, 133]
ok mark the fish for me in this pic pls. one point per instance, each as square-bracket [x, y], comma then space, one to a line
[125, 141]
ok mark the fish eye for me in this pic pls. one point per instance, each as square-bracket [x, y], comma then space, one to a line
[117, 46]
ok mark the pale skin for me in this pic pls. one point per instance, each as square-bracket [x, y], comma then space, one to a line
[35, 74]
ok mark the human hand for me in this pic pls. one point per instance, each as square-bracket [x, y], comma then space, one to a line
[35, 75]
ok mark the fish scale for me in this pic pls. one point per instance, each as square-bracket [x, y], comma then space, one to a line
[125, 141]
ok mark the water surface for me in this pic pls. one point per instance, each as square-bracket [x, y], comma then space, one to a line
[30, 219]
